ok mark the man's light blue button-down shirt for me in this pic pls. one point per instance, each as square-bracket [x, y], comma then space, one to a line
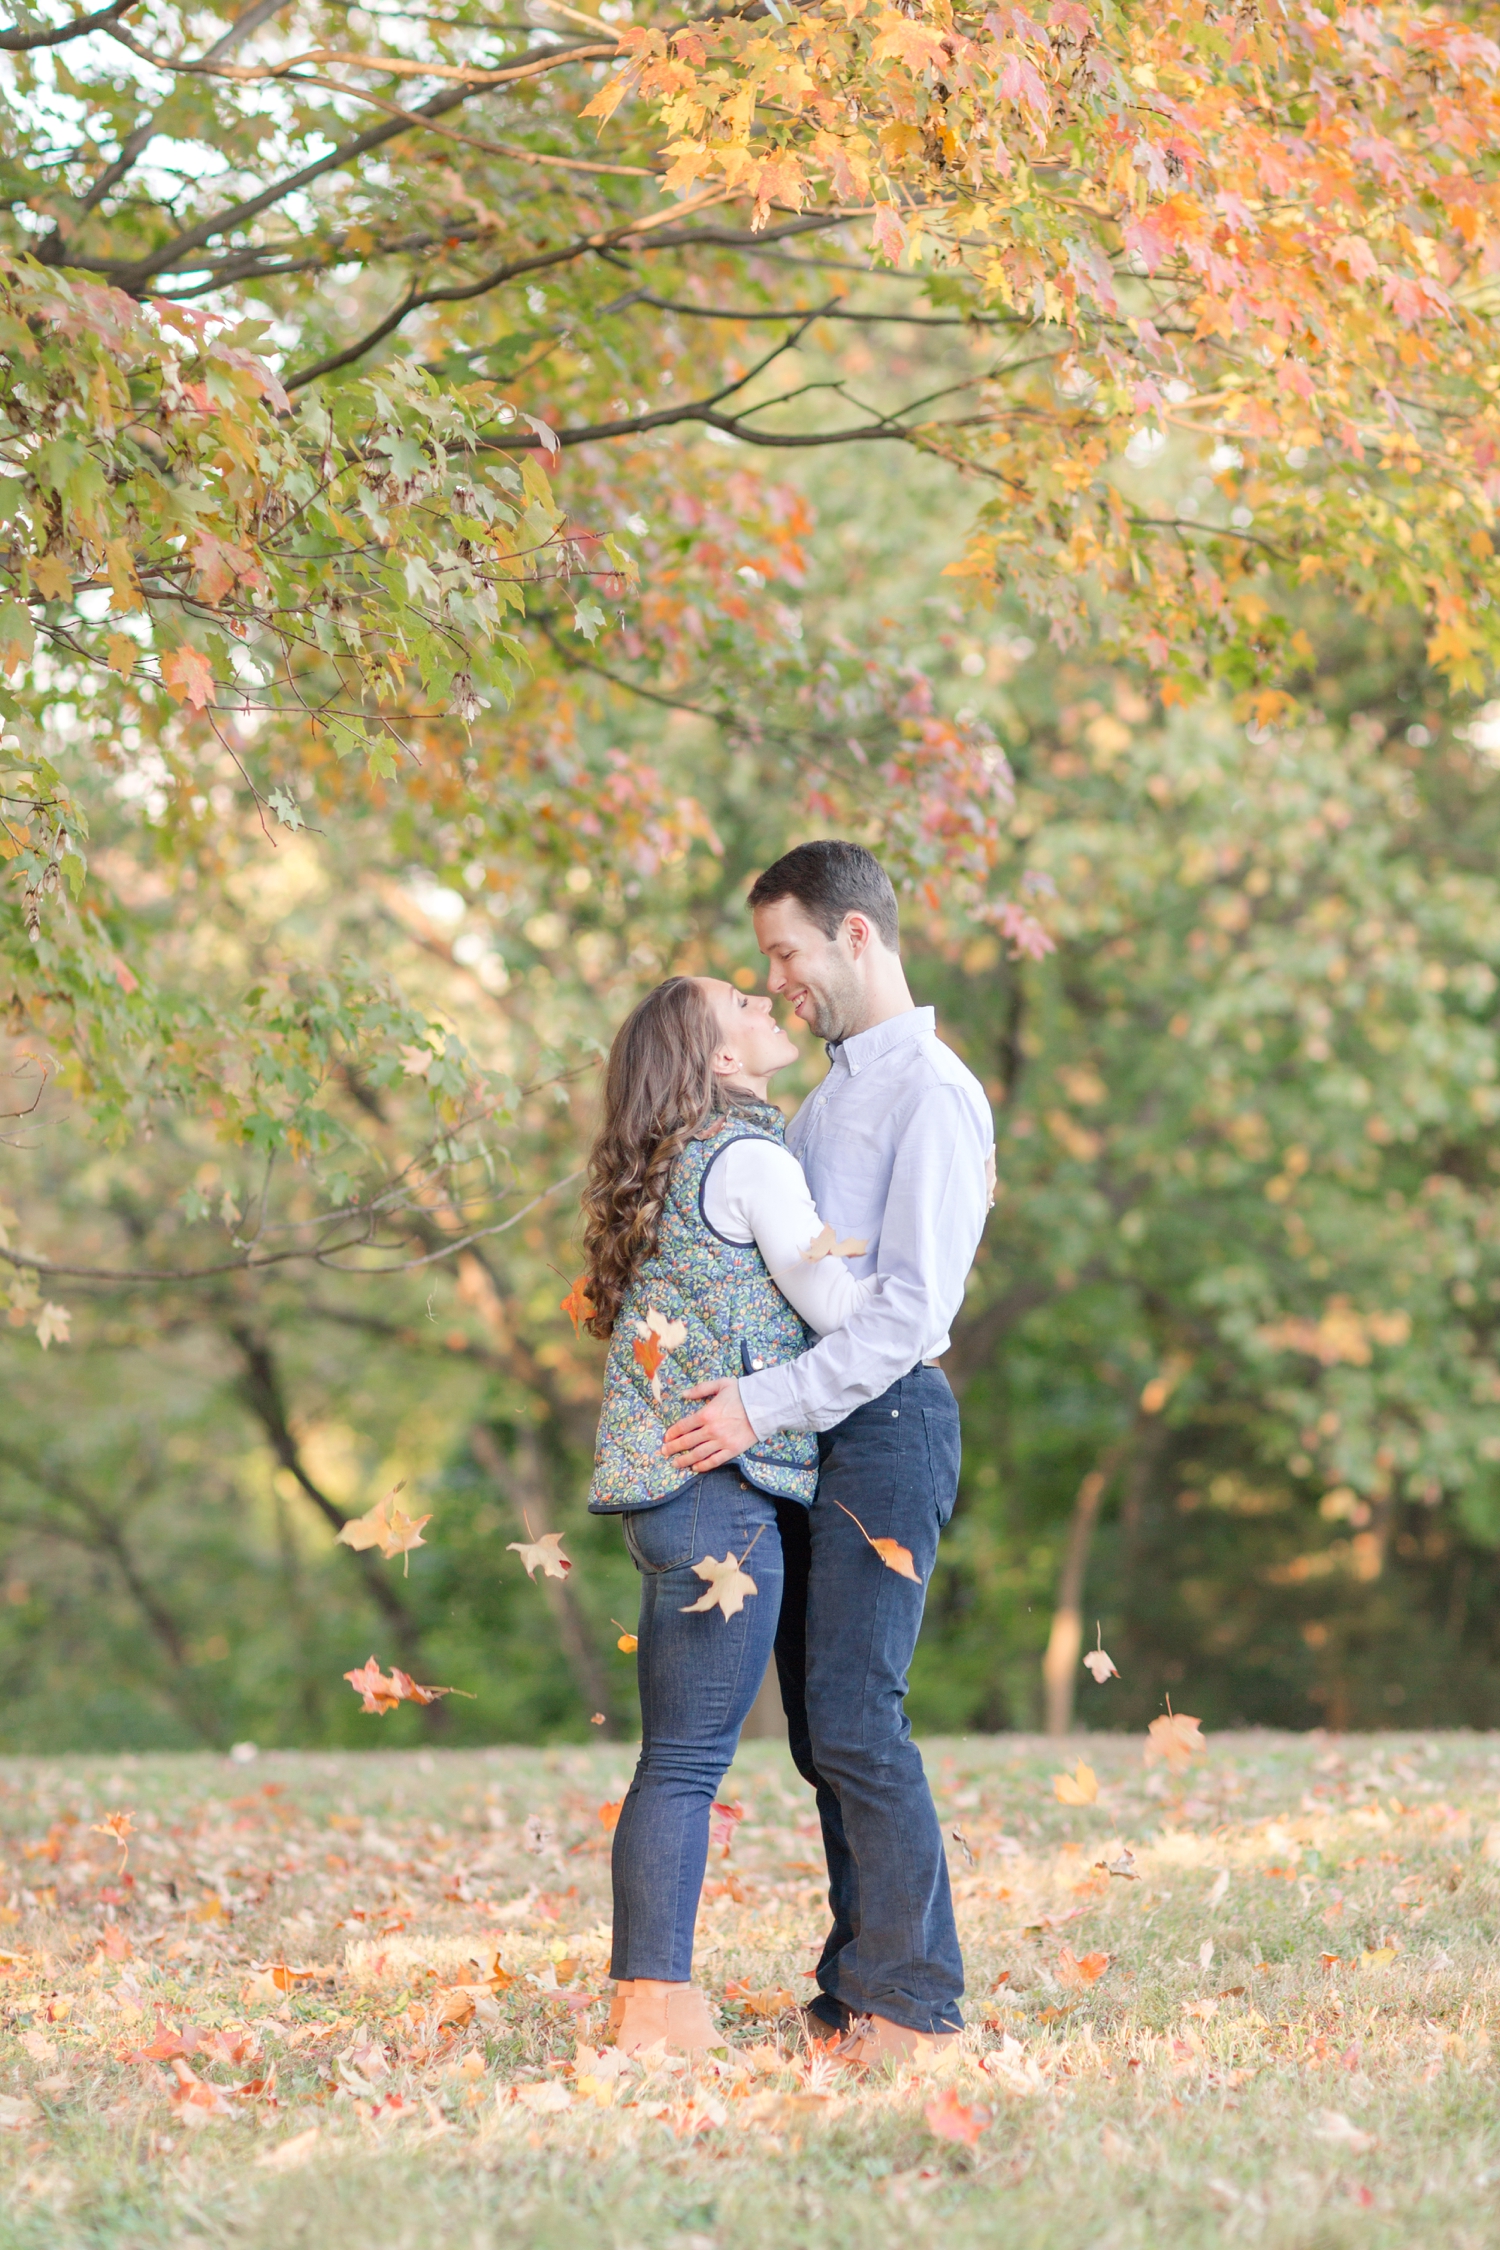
[896, 1144]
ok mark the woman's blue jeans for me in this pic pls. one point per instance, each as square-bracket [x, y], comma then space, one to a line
[698, 1676]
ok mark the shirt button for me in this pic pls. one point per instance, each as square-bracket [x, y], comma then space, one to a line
[895, 1413]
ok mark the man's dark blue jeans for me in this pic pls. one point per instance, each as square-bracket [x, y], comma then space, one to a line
[847, 1632]
[699, 1674]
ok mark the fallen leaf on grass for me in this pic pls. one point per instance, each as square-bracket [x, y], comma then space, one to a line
[953, 2120]
[197, 2101]
[773, 2002]
[891, 1552]
[16, 2114]
[1174, 1737]
[546, 2099]
[1073, 1970]
[1333, 2125]
[1080, 1787]
[1380, 1957]
[287, 2155]
[1114, 2146]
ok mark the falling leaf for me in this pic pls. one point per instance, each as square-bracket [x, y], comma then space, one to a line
[1124, 1866]
[387, 1527]
[596, 1719]
[825, 1244]
[723, 1820]
[544, 1554]
[382, 1694]
[1220, 1888]
[1073, 1971]
[727, 1585]
[891, 1552]
[1206, 1953]
[655, 1336]
[627, 1644]
[1080, 1787]
[953, 2120]
[578, 1304]
[1174, 1737]
[609, 1815]
[970, 1856]
[118, 1825]
[1099, 1662]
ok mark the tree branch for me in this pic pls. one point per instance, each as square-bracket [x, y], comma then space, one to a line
[23, 42]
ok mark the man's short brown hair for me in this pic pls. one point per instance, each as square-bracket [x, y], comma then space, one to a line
[828, 880]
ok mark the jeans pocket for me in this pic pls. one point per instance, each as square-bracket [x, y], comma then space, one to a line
[943, 1455]
[662, 1538]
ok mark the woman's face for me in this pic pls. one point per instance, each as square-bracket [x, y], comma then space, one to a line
[752, 1042]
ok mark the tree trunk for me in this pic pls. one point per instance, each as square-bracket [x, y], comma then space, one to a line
[520, 1481]
[1065, 1641]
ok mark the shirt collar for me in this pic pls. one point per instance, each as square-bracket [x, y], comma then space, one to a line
[868, 1046]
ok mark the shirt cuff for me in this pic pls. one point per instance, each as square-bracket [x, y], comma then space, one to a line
[768, 1402]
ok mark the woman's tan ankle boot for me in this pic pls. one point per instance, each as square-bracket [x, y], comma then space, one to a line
[672, 2015]
[624, 1986]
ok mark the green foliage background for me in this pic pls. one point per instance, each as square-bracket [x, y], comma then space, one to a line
[1257, 1080]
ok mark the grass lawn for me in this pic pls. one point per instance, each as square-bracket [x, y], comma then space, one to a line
[358, 2001]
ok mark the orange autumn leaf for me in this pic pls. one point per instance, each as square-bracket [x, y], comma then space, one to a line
[381, 1694]
[188, 677]
[119, 1826]
[1175, 1738]
[648, 1354]
[609, 1816]
[387, 1527]
[578, 1305]
[953, 2120]
[1075, 1971]
[891, 1552]
[628, 1642]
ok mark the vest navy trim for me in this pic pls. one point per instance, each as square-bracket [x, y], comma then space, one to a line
[732, 1240]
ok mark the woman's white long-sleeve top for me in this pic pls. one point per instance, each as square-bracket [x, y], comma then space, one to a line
[756, 1192]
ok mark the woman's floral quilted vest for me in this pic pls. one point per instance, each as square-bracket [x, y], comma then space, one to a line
[701, 1308]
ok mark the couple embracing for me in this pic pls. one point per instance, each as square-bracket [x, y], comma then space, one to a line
[776, 1303]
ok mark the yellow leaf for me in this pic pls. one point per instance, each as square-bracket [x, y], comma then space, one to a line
[727, 1585]
[1080, 1787]
[52, 577]
[123, 653]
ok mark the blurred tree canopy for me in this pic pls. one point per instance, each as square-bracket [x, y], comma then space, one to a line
[472, 491]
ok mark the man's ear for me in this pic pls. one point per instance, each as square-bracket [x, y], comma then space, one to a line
[858, 930]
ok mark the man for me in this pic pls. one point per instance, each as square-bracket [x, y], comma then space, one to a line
[898, 1147]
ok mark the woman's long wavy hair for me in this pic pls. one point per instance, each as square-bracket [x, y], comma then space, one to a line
[660, 1092]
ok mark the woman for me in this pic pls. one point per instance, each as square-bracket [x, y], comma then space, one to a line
[697, 1227]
